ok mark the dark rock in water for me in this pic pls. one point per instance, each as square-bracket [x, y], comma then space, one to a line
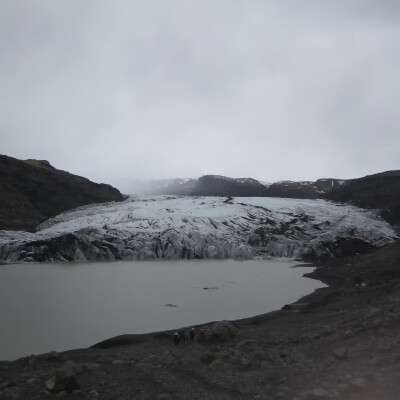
[33, 190]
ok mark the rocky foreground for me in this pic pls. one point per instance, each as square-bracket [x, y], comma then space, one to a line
[340, 342]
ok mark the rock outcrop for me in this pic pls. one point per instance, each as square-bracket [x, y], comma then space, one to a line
[378, 191]
[303, 190]
[222, 331]
[32, 191]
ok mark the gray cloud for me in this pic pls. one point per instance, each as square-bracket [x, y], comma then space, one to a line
[153, 89]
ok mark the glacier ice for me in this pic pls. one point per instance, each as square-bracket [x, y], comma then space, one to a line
[174, 227]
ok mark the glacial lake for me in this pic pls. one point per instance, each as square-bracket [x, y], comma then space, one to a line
[46, 307]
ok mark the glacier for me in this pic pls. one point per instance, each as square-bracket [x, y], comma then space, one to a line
[178, 227]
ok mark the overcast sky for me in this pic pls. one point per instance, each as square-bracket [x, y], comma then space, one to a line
[117, 90]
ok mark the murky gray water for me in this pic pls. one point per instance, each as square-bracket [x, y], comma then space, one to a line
[45, 307]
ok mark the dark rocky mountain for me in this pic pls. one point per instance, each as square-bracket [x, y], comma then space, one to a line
[216, 185]
[207, 185]
[379, 191]
[32, 191]
[303, 190]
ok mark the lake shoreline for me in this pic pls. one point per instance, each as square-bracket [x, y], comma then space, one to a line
[61, 307]
[338, 342]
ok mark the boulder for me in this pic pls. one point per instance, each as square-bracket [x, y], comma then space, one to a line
[222, 331]
[63, 381]
[72, 367]
[208, 357]
[340, 353]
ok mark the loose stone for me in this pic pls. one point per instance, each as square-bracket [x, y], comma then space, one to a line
[340, 353]
[359, 382]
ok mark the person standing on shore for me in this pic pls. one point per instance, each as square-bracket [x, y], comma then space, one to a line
[192, 334]
[187, 337]
[176, 338]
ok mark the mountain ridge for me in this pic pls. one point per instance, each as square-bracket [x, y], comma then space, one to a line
[33, 190]
[379, 191]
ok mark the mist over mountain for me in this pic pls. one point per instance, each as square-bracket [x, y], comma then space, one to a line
[379, 191]
[218, 185]
[32, 191]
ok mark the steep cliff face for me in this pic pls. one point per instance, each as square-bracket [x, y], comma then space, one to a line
[32, 190]
[378, 191]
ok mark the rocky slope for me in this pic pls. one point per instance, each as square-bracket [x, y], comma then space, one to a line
[338, 343]
[303, 190]
[171, 227]
[32, 191]
[378, 191]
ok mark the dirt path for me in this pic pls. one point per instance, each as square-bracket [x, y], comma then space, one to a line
[337, 343]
